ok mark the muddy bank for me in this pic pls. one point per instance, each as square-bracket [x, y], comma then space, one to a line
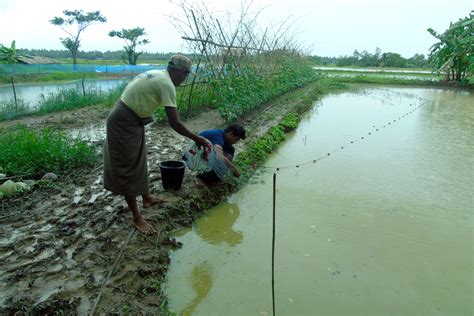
[58, 244]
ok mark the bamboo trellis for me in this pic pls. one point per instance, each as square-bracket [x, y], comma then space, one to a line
[220, 52]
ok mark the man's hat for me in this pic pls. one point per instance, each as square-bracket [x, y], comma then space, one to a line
[180, 62]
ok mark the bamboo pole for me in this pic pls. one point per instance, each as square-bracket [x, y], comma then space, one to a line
[14, 95]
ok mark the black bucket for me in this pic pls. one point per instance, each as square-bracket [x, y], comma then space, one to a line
[172, 173]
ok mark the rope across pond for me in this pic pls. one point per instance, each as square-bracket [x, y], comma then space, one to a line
[342, 147]
[313, 161]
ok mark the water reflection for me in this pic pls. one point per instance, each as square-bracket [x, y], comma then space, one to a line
[201, 279]
[217, 236]
[217, 228]
[31, 93]
[408, 187]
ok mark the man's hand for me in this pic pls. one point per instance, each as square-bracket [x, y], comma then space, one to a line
[201, 141]
[236, 173]
[179, 127]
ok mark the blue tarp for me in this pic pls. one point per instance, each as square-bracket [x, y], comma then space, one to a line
[50, 68]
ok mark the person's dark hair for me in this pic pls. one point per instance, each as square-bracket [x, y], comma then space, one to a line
[236, 130]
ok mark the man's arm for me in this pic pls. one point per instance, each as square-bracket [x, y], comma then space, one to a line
[178, 126]
[220, 155]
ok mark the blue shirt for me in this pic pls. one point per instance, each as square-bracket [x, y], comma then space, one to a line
[217, 137]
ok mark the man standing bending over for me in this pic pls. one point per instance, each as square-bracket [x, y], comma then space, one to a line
[125, 163]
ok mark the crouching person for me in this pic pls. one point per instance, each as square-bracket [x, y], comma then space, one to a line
[222, 141]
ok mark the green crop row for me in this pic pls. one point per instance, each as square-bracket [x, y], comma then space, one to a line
[30, 152]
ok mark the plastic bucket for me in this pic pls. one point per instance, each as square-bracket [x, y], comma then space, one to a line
[172, 173]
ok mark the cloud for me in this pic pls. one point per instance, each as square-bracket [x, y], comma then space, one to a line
[334, 28]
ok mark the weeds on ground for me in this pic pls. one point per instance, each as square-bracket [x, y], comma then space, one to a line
[30, 152]
[62, 100]
[373, 79]
[69, 99]
[10, 110]
[45, 77]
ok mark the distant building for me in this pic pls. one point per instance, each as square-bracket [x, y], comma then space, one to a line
[36, 60]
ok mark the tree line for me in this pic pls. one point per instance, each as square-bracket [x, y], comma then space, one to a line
[92, 55]
[363, 59]
[377, 59]
[452, 55]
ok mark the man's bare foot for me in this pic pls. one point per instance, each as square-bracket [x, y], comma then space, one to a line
[151, 200]
[199, 183]
[143, 226]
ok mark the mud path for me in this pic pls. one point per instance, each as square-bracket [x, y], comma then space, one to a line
[59, 244]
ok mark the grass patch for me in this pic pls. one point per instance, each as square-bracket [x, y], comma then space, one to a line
[406, 75]
[68, 99]
[30, 152]
[387, 80]
[48, 77]
[10, 110]
[62, 100]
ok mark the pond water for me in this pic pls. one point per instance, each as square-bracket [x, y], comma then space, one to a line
[31, 93]
[383, 226]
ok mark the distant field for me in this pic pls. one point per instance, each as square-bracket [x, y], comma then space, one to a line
[357, 68]
[382, 72]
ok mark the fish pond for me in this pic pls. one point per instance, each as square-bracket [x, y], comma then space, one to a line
[383, 225]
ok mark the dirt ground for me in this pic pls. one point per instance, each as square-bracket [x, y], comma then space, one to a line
[59, 246]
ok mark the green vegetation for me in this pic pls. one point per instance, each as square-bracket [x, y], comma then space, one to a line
[73, 42]
[378, 59]
[131, 38]
[65, 99]
[48, 77]
[454, 53]
[192, 101]
[9, 55]
[109, 62]
[11, 109]
[375, 79]
[236, 90]
[258, 151]
[381, 72]
[239, 94]
[95, 56]
[25, 151]
[69, 99]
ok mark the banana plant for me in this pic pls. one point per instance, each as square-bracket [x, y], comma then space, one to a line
[454, 53]
[9, 55]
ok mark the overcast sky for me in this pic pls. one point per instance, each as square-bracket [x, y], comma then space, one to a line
[326, 27]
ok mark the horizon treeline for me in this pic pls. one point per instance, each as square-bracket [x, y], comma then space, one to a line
[362, 59]
[92, 55]
[377, 59]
